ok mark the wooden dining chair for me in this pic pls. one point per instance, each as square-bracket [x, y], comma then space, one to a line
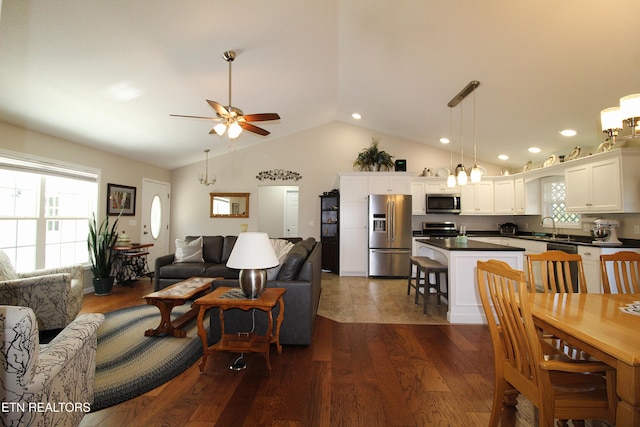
[560, 389]
[557, 271]
[626, 272]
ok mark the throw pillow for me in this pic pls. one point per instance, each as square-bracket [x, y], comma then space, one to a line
[293, 263]
[189, 252]
[281, 248]
[6, 269]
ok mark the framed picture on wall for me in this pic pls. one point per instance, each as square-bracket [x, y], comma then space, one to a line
[121, 198]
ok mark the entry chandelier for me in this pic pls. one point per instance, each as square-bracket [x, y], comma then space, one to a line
[460, 170]
[628, 112]
[206, 179]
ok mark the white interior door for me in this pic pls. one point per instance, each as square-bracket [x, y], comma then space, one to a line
[155, 218]
[291, 213]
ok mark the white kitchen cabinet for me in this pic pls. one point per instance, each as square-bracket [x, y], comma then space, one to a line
[594, 187]
[418, 198]
[591, 265]
[504, 196]
[477, 199]
[527, 196]
[604, 183]
[389, 183]
[354, 191]
[439, 186]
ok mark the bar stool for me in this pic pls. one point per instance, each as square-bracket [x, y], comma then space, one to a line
[425, 266]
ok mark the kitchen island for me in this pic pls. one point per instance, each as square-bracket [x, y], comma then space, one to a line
[462, 258]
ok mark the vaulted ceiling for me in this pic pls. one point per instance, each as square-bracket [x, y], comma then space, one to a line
[543, 66]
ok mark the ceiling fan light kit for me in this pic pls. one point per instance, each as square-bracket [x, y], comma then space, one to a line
[232, 120]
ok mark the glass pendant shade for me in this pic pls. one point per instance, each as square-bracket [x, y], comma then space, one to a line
[451, 180]
[234, 130]
[462, 175]
[611, 118]
[475, 174]
[630, 106]
[220, 128]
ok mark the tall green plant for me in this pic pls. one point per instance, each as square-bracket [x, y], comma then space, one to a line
[100, 242]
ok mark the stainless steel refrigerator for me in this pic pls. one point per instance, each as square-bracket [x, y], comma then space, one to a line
[389, 235]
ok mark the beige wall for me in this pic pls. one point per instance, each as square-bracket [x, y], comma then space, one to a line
[318, 154]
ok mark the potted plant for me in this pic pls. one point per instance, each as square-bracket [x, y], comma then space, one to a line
[374, 159]
[100, 242]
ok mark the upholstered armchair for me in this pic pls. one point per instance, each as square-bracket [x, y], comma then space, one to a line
[55, 295]
[49, 384]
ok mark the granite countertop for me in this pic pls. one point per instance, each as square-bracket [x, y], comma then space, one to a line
[451, 244]
[567, 239]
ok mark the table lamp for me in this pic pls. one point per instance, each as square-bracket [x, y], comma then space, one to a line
[252, 253]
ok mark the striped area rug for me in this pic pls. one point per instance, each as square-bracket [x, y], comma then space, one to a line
[129, 364]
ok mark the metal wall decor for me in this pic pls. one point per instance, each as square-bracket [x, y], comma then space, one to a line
[278, 174]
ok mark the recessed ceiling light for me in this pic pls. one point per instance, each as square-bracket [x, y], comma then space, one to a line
[444, 140]
[356, 116]
[568, 132]
[534, 150]
[503, 157]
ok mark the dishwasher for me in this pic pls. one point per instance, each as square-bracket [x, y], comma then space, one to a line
[570, 249]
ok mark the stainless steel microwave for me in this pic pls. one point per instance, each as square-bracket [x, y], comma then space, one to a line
[443, 203]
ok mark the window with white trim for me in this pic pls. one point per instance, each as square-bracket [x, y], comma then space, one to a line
[553, 204]
[45, 209]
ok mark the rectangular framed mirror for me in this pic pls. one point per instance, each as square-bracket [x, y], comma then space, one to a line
[229, 205]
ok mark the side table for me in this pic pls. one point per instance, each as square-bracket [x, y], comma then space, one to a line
[243, 342]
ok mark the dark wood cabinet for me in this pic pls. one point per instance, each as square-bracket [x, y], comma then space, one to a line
[330, 229]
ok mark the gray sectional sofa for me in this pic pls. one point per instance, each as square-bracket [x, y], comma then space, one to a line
[299, 274]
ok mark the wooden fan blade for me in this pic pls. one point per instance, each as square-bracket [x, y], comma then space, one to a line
[252, 128]
[261, 117]
[194, 117]
[219, 108]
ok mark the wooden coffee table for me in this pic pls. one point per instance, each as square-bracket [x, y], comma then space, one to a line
[243, 342]
[173, 296]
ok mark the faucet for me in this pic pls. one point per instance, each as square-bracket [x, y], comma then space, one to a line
[554, 232]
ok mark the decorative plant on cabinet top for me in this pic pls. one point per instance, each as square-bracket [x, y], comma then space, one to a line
[373, 159]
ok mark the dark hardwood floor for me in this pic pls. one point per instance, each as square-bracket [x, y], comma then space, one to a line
[353, 374]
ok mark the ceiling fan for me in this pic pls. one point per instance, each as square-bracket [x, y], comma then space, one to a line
[232, 119]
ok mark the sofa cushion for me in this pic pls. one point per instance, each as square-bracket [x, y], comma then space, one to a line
[221, 270]
[183, 270]
[308, 244]
[189, 251]
[293, 263]
[227, 247]
[281, 248]
[211, 248]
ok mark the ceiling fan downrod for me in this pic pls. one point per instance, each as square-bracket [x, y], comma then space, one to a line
[229, 56]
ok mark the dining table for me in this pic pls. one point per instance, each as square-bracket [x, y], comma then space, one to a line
[607, 327]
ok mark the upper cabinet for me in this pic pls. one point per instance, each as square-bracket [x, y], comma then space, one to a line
[504, 196]
[389, 183]
[421, 186]
[527, 196]
[608, 183]
[477, 199]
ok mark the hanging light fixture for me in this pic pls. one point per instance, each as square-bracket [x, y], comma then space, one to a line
[460, 170]
[451, 179]
[205, 179]
[476, 174]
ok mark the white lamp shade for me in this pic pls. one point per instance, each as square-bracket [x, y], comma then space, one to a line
[234, 130]
[630, 106]
[220, 128]
[610, 118]
[253, 250]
